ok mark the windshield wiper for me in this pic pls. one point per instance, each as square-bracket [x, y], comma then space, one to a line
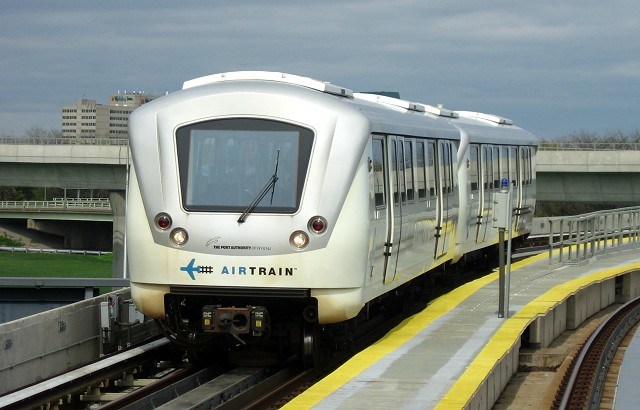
[270, 185]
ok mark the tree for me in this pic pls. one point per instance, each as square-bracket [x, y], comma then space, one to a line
[37, 134]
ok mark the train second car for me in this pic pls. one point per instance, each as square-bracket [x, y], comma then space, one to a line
[262, 205]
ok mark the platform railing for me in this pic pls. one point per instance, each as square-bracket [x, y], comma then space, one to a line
[59, 203]
[588, 146]
[63, 141]
[581, 237]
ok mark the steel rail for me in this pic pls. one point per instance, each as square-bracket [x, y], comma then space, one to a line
[586, 381]
[49, 390]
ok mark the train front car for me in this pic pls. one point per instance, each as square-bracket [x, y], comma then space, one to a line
[241, 200]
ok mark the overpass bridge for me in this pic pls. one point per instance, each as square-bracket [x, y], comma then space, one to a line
[567, 172]
[66, 209]
[602, 173]
[56, 163]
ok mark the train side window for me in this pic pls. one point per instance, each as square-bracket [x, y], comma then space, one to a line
[513, 165]
[431, 149]
[504, 164]
[452, 174]
[487, 171]
[402, 187]
[529, 165]
[526, 165]
[495, 160]
[446, 164]
[422, 169]
[394, 172]
[379, 167]
[474, 174]
[408, 169]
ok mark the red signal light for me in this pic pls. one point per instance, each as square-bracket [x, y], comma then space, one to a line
[163, 221]
[317, 225]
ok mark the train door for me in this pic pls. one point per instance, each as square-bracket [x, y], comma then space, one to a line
[379, 252]
[444, 175]
[397, 202]
[474, 218]
[516, 182]
[524, 203]
[486, 167]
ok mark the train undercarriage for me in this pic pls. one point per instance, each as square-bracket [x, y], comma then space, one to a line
[251, 328]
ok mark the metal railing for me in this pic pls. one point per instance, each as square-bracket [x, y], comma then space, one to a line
[22, 249]
[584, 236]
[64, 141]
[588, 146]
[59, 203]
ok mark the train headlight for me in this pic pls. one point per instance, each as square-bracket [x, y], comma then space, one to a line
[299, 240]
[179, 236]
[317, 225]
[163, 221]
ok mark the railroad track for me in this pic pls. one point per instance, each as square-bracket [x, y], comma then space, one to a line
[118, 382]
[155, 375]
[584, 383]
[150, 376]
[84, 384]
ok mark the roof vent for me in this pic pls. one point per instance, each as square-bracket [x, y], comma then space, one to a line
[442, 112]
[324, 87]
[486, 117]
[396, 102]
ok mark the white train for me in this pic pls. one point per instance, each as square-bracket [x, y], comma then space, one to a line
[264, 203]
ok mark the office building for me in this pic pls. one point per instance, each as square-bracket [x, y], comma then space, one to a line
[86, 119]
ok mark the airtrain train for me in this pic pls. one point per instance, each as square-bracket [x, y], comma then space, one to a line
[263, 205]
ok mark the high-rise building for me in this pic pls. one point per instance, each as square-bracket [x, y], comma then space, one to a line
[87, 119]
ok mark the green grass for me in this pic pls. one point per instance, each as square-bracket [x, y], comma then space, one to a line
[20, 264]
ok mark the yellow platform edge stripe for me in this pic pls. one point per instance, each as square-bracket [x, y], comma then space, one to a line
[402, 333]
[506, 336]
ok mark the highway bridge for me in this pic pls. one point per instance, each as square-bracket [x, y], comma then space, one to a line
[600, 173]
[568, 172]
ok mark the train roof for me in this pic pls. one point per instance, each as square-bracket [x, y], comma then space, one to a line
[489, 128]
[321, 86]
[393, 115]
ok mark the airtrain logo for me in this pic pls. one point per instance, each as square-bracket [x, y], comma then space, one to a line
[192, 270]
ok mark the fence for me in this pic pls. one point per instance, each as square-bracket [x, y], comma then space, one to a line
[583, 236]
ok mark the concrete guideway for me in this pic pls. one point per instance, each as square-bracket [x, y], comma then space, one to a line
[43, 345]
[589, 176]
[69, 165]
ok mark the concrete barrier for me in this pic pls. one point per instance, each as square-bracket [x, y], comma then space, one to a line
[43, 345]
[567, 314]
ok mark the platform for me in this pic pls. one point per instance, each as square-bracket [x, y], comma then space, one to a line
[457, 353]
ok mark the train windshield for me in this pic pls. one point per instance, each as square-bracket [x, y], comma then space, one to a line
[225, 164]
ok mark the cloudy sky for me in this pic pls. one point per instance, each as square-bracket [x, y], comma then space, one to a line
[554, 67]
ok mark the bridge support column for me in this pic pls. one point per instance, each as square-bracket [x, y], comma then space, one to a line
[118, 206]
